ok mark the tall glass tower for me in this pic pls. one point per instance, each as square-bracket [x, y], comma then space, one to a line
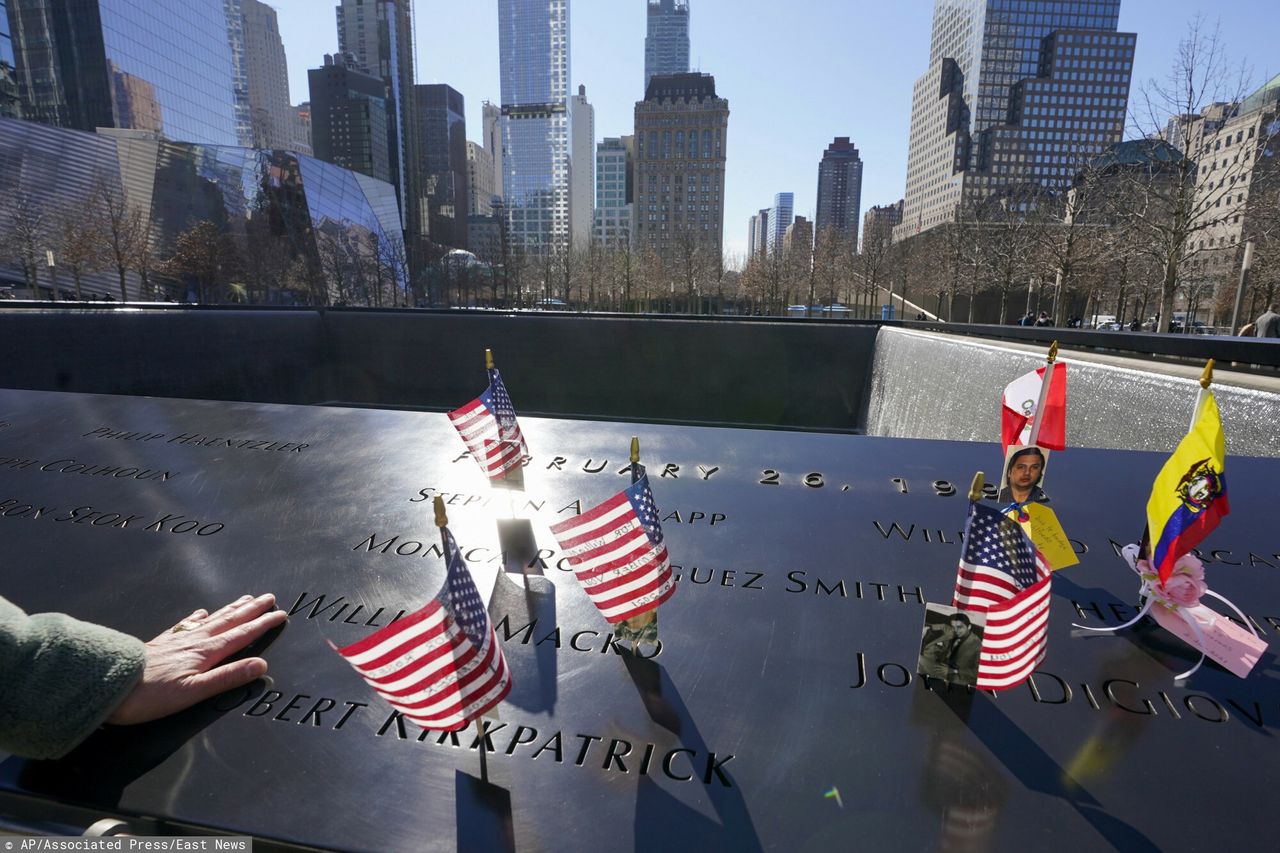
[239, 70]
[9, 106]
[780, 216]
[137, 64]
[379, 34]
[666, 44]
[1018, 93]
[441, 131]
[533, 56]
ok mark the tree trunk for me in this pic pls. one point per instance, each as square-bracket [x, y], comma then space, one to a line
[1168, 291]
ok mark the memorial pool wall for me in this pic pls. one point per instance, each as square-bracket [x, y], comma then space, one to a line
[1128, 391]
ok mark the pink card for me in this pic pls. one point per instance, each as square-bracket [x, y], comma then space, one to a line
[1226, 642]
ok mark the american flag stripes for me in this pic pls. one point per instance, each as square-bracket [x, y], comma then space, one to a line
[442, 666]
[489, 429]
[617, 552]
[1002, 575]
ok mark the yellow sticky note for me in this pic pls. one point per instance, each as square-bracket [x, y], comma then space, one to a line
[1050, 538]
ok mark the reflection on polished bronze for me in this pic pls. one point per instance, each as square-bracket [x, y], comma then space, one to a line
[787, 666]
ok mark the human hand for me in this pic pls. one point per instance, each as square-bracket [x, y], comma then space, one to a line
[184, 664]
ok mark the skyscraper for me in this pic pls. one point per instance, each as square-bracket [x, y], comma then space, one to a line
[614, 192]
[533, 59]
[379, 34]
[797, 242]
[779, 218]
[682, 131]
[491, 116]
[140, 64]
[9, 104]
[758, 238]
[666, 45]
[302, 125]
[582, 175]
[479, 180]
[239, 70]
[441, 130]
[271, 114]
[878, 224]
[1018, 93]
[1237, 183]
[349, 123]
[839, 191]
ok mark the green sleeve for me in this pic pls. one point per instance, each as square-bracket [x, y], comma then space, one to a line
[60, 679]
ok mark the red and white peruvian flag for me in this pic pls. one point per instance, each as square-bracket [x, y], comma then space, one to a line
[1018, 412]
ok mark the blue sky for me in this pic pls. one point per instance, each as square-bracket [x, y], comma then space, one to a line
[796, 73]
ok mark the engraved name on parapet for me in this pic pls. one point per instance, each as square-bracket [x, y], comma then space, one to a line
[70, 465]
[171, 522]
[198, 440]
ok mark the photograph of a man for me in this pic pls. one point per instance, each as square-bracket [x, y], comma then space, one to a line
[1023, 473]
[950, 644]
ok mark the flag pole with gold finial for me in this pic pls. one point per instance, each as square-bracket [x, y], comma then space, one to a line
[1206, 379]
[442, 521]
[488, 359]
[975, 490]
[975, 495]
[645, 625]
[1044, 393]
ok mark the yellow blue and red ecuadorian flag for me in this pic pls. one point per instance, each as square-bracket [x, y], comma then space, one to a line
[1189, 496]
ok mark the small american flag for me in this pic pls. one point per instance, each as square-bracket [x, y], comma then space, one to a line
[442, 666]
[1003, 575]
[489, 429]
[617, 552]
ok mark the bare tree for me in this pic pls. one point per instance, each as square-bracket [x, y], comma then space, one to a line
[79, 236]
[1061, 226]
[688, 265]
[394, 259]
[337, 274]
[652, 279]
[873, 264]
[1011, 240]
[127, 234]
[831, 246]
[952, 248]
[933, 274]
[270, 261]
[595, 262]
[23, 231]
[207, 256]
[623, 268]
[776, 281]
[1264, 231]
